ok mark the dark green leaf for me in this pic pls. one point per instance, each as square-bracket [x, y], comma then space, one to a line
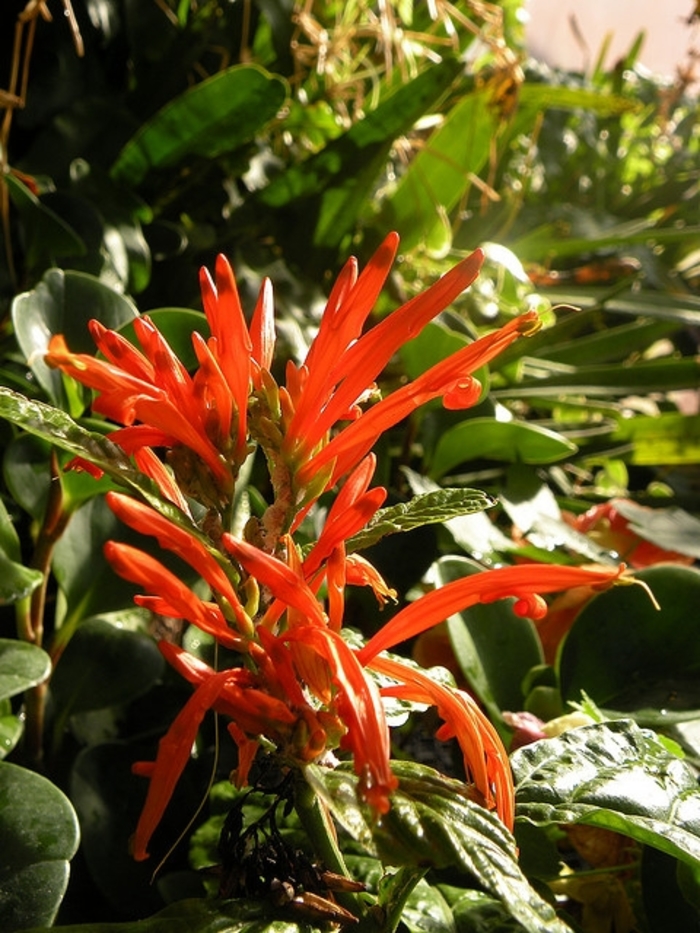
[16, 581]
[11, 728]
[511, 441]
[616, 776]
[47, 236]
[38, 837]
[216, 116]
[432, 822]
[104, 665]
[427, 509]
[628, 655]
[21, 666]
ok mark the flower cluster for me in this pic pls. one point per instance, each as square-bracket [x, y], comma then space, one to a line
[299, 684]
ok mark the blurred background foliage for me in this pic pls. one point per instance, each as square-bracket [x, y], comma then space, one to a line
[139, 138]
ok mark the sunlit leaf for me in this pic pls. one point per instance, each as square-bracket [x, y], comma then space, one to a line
[616, 776]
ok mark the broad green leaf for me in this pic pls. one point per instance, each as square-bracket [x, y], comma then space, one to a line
[616, 776]
[509, 441]
[628, 655]
[63, 303]
[38, 837]
[427, 509]
[216, 116]
[21, 666]
[104, 665]
[670, 438]
[432, 822]
[493, 647]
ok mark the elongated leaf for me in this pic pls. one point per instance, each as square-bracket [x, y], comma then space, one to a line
[669, 438]
[427, 509]
[433, 822]
[21, 666]
[643, 377]
[38, 837]
[509, 441]
[617, 776]
[216, 116]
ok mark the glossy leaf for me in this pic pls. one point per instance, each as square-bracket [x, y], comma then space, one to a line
[432, 822]
[628, 655]
[47, 236]
[38, 837]
[616, 776]
[63, 303]
[216, 116]
[16, 580]
[428, 509]
[509, 441]
[11, 728]
[21, 666]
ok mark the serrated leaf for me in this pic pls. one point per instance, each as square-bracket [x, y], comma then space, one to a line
[432, 822]
[21, 666]
[616, 776]
[427, 509]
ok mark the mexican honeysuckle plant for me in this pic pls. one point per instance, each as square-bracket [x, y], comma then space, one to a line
[291, 682]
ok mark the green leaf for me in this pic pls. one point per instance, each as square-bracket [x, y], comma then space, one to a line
[104, 665]
[21, 666]
[16, 581]
[11, 728]
[509, 441]
[46, 235]
[427, 509]
[63, 303]
[432, 822]
[177, 326]
[628, 655]
[216, 116]
[493, 647]
[616, 776]
[668, 438]
[38, 837]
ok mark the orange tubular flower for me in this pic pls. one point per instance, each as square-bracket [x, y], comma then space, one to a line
[525, 582]
[485, 757]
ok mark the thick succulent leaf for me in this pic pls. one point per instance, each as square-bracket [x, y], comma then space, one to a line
[432, 822]
[38, 837]
[616, 776]
[21, 666]
[215, 116]
[427, 509]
